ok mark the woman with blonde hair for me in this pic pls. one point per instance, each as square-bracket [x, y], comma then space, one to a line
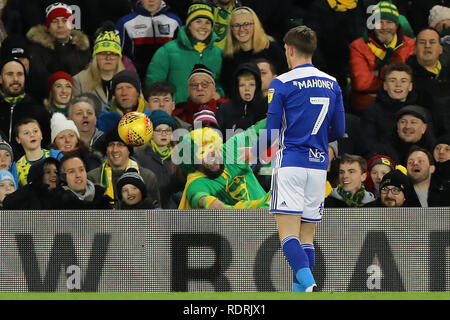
[247, 41]
[60, 92]
[106, 62]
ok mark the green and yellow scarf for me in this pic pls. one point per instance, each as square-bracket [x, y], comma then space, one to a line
[162, 154]
[342, 5]
[352, 199]
[106, 176]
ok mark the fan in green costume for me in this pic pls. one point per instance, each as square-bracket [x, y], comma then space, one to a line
[215, 178]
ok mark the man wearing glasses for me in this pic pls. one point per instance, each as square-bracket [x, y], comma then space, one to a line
[396, 191]
[201, 94]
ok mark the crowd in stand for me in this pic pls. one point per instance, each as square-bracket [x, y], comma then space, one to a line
[201, 71]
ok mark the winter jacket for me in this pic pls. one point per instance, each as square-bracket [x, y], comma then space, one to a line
[144, 204]
[363, 62]
[142, 33]
[434, 94]
[174, 61]
[67, 200]
[185, 111]
[149, 178]
[52, 56]
[397, 149]
[238, 114]
[169, 182]
[274, 53]
[378, 119]
[335, 200]
[27, 108]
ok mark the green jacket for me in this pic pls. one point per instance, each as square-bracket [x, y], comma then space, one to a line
[174, 61]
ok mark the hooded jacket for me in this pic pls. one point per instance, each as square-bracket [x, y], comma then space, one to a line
[174, 61]
[35, 195]
[52, 56]
[237, 113]
[142, 33]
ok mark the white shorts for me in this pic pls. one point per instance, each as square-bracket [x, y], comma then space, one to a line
[297, 190]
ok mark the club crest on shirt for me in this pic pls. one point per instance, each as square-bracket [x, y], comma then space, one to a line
[270, 94]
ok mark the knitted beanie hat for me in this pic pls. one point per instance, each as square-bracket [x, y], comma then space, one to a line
[199, 10]
[108, 40]
[57, 10]
[59, 123]
[387, 11]
[395, 178]
[437, 14]
[131, 176]
[158, 117]
[6, 175]
[128, 76]
[6, 146]
[205, 118]
[202, 69]
[56, 76]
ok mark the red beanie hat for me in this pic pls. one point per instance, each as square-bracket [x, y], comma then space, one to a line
[56, 10]
[56, 76]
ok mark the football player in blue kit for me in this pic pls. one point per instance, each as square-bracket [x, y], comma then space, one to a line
[307, 111]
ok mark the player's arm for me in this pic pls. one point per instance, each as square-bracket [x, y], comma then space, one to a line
[273, 122]
[337, 125]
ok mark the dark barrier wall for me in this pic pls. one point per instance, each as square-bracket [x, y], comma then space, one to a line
[162, 251]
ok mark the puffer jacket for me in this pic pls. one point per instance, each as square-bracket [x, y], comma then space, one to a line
[174, 62]
[363, 62]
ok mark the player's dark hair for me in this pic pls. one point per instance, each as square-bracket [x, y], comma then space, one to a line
[272, 67]
[303, 39]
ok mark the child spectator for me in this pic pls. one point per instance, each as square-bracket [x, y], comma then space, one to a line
[7, 159]
[27, 133]
[378, 166]
[43, 176]
[7, 185]
[247, 105]
[132, 192]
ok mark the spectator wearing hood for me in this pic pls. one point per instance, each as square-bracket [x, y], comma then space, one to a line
[247, 105]
[7, 185]
[43, 176]
[145, 30]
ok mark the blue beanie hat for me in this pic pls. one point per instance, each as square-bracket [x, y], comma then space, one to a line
[6, 175]
[158, 117]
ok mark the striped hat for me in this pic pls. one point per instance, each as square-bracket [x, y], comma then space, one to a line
[199, 10]
[202, 69]
[131, 176]
[387, 11]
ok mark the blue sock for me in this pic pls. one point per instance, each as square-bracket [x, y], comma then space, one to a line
[311, 253]
[299, 262]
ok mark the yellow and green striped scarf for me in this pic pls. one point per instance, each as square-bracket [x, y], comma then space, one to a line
[436, 69]
[162, 154]
[106, 176]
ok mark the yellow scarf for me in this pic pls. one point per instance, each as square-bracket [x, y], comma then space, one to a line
[106, 176]
[200, 46]
[342, 5]
[380, 53]
[436, 69]
[191, 177]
